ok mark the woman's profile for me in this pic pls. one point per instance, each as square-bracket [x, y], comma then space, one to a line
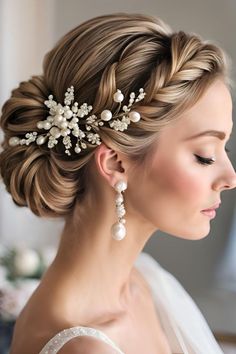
[122, 135]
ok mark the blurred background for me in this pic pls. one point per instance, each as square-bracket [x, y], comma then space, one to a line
[206, 268]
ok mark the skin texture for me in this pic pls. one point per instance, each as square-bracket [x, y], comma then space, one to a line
[94, 270]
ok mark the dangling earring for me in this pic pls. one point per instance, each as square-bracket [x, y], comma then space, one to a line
[118, 229]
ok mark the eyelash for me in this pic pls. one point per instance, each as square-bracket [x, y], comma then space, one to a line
[207, 161]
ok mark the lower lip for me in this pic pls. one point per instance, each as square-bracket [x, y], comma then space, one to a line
[210, 213]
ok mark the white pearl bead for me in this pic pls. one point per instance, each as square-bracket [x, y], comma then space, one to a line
[77, 149]
[120, 186]
[75, 109]
[41, 140]
[47, 125]
[106, 115]
[63, 125]
[55, 132]
[58, 119]
[13, 141]
[68, 114]
[134, 116]
[50, 119]
[59, 110]
[65, 132]
[118, 231]
[40, 125]
[118, 96]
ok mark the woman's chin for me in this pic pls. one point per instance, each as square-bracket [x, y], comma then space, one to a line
[195, 233]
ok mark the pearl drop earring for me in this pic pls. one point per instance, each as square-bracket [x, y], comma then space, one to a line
[118, 229]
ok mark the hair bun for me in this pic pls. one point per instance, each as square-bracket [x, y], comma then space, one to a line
[32, 176]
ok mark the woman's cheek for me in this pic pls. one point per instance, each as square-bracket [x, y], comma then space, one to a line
[180, 182]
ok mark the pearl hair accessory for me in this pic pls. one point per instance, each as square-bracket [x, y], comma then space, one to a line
[58, 122]
[118, 229]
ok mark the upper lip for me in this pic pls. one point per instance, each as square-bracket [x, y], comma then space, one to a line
[215, 206]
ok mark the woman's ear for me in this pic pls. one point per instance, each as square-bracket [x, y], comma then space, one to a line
[110, 164]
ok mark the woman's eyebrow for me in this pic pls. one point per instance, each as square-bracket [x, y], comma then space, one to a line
[216, 133]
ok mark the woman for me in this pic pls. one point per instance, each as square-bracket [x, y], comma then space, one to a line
[106, 138]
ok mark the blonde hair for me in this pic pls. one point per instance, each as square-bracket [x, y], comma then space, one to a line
[120, 50]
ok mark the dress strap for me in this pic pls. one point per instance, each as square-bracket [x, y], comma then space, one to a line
[61, 338]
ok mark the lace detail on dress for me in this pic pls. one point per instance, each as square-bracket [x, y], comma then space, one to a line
[61, 338]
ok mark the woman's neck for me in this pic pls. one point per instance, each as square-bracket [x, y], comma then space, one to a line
[96, 268]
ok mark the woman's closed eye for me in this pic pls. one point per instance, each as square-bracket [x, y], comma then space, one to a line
[207, 160]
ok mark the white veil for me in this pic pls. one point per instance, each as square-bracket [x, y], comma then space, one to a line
[182, 321]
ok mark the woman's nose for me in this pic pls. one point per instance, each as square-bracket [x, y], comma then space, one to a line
[227, 180]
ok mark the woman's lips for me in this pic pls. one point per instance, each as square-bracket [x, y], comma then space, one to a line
[211, 212]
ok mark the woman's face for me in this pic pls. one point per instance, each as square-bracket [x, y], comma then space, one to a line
[172, 193]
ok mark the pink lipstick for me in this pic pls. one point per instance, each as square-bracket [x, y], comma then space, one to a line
[211, 211]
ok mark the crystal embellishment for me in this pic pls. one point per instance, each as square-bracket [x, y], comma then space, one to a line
[57, 342]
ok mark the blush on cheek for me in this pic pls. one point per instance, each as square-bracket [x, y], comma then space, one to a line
[180, 186]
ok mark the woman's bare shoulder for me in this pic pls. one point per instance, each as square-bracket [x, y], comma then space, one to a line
[31, 336]
[33, 340]
[43, 317]
[37, 323]
[40, 321]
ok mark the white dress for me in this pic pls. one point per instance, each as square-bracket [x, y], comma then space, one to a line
[185, 327]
